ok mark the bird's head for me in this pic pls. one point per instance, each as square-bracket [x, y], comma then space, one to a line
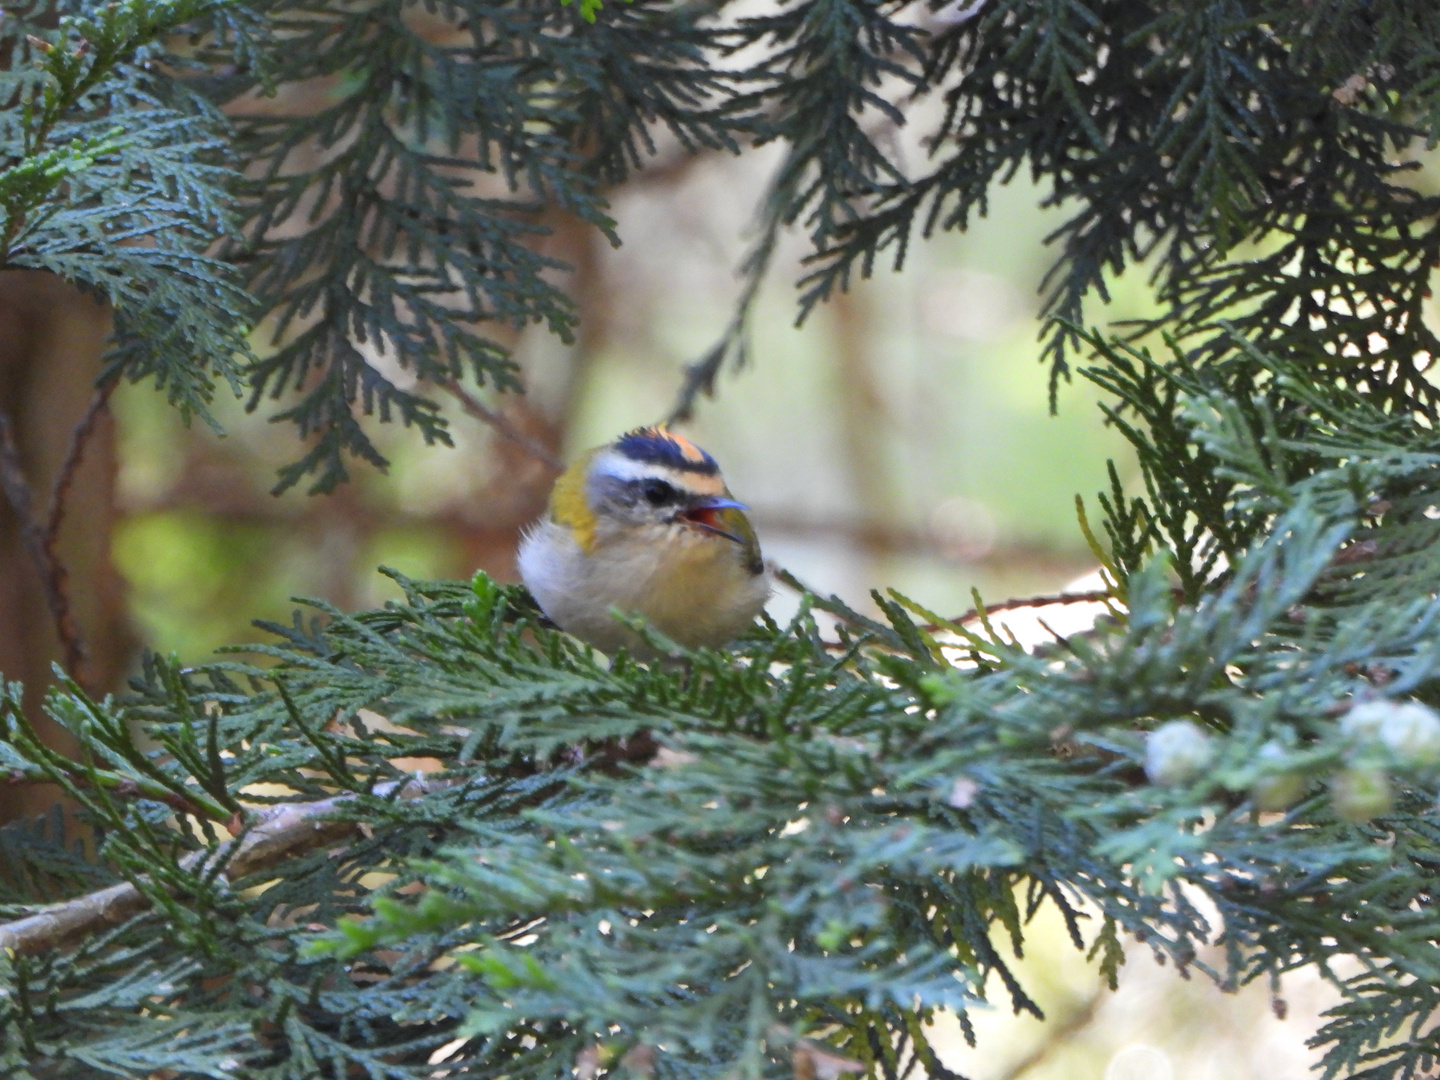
[649, 479]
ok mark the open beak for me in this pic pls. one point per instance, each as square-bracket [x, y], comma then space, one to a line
[705, 514]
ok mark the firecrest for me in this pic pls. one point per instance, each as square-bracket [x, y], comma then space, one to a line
[645, 526]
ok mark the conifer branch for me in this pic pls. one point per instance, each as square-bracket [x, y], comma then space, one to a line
[832, 838]
[117, 785]
[277, 833]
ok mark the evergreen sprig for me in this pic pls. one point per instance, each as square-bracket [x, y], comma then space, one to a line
[1254, 155]
[398, 224]
[1258, 158]
[790, 855]
[114, 178]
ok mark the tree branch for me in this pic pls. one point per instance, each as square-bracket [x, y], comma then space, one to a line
[496, 420]
[123, 787]
[1018, 604]
[74, 453]
[1091, 596]
[39, 547]
[1058, 1035]
[283, 831]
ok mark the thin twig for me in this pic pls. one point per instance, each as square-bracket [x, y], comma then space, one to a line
[786, 577]
[700, 377]
[1089, 597]
[1020, 603]
[119, 787]
[1057, 1035]
[34, 536]
[228, 499]
[74, 453]
[283, 831]
[496, 420]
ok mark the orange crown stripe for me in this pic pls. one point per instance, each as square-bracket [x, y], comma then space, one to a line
[661, 445]
[689, 449]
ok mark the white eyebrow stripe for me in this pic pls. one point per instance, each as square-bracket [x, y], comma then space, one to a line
[618, 466]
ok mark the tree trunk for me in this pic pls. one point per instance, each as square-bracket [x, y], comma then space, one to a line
[51, 341]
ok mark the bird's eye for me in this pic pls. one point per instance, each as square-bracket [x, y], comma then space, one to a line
[658, 492]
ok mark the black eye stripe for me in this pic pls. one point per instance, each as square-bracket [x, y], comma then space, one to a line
[658, 492]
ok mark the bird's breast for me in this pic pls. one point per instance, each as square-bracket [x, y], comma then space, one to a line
[694, 588]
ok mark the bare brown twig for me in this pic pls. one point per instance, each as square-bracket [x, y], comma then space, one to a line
[41, 539]
[1091, 596]
[283, 831]
[36, 540]
[1058, 1035]
[1018, 604]
[497, 420]
[124, 789]
[74, 453]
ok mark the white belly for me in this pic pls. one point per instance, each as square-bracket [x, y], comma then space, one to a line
[693, 588]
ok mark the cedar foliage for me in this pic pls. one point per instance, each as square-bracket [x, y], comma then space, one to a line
[785, 857]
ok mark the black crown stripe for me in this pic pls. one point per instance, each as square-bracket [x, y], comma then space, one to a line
[656, 447]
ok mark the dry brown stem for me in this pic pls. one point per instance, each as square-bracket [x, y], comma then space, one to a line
[497, 420]
[74, 454]
[37, 543]
[41, 537]
[281, 832]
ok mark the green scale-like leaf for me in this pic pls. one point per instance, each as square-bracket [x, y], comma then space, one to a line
[115, 180]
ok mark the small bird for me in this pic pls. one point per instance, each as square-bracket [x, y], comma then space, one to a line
[645, 526]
